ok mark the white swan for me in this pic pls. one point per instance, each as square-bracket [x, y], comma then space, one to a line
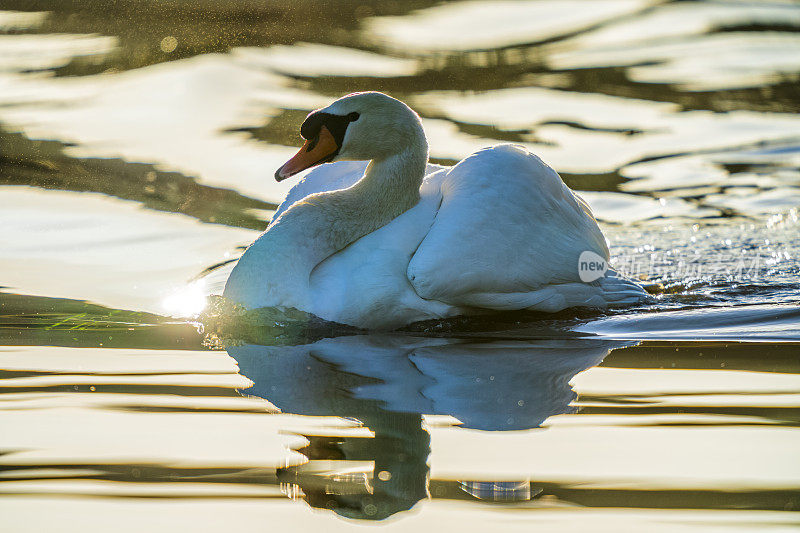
[381, 245]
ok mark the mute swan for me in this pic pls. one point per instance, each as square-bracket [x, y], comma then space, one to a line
[381, 245]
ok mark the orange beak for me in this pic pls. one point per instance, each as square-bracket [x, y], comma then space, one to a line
[313, 152]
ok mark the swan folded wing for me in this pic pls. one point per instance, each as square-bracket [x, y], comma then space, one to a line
[507, 225]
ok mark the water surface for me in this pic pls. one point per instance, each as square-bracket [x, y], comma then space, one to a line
[137, 145]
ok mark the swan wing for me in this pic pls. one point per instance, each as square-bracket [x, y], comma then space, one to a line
[508, 235]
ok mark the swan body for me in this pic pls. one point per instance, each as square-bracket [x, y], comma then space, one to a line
[382, 244]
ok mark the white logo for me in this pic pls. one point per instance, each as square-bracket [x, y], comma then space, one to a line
[591, 266]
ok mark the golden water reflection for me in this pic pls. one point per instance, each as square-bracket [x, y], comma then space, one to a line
[370, 427]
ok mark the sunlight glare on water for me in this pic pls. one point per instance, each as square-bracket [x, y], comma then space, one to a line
[187, 301]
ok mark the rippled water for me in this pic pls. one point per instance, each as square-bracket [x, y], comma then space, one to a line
[137, 145]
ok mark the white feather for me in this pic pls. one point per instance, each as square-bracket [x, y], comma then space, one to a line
[498, 231]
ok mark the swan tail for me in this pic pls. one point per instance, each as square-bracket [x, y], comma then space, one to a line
[611, 291]
[619, 290]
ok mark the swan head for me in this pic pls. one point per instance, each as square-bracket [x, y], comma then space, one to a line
[356, 127]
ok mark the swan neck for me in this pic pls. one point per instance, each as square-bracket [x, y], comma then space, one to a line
[276, 269]
[388, 188]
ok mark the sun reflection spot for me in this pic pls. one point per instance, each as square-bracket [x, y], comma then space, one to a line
[189, 300]
[169, 44]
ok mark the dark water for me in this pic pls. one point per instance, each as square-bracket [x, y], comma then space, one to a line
[137, 144]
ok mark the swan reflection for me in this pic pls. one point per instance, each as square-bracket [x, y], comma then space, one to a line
[388, 383]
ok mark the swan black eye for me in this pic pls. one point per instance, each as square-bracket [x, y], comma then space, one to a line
[352, 117]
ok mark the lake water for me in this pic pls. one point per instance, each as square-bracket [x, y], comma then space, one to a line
[137, 146]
